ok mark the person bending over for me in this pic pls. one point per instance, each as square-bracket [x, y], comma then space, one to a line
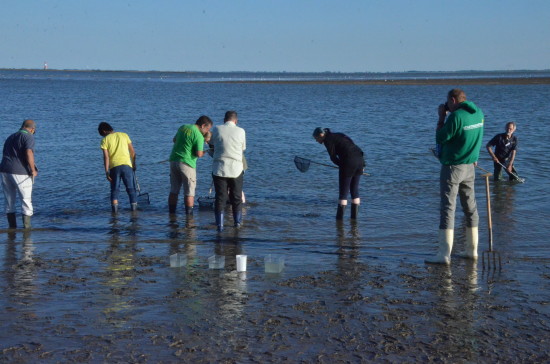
[119, 160]
[506, 146]
[350, 161]
[188, 147]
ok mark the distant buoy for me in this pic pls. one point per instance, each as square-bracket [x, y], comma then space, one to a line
[45, 66]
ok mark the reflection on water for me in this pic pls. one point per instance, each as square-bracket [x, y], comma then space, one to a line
[454, 313]
[120, 269]
[20, 270]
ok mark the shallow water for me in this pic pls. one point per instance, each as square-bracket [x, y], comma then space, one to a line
[82, 277]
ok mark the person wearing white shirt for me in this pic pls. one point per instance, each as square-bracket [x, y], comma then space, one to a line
[229, 143]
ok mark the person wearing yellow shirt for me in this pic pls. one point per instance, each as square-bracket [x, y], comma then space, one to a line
[119, 159]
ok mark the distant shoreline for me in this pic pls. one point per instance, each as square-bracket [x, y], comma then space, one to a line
[532, 77]
[398, 82]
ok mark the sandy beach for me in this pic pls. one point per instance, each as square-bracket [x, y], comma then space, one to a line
[419, 81]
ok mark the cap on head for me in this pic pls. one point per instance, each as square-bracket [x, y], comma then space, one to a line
[318, 131]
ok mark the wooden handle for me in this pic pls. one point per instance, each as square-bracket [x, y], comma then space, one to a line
[489, 219]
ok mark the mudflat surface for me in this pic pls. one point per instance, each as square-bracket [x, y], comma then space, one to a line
[417, 81]
[119, 301]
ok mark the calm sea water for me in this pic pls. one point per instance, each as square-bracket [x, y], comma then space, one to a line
[287, 212]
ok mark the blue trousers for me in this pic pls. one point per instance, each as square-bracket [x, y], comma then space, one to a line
[126, 174]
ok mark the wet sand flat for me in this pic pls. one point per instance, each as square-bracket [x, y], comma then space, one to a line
[121, 302]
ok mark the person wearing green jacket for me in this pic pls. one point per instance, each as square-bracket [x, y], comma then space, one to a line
[460, 138]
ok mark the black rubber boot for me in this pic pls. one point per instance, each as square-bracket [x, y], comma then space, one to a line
[12, 221]
[237, 219]
[189, 210]
[354, 210]
[340, 212]
[26, 221]
[219, 221]
[172, 209]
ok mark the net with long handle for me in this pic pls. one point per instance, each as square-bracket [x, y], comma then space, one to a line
[143, 198]
[302, 164]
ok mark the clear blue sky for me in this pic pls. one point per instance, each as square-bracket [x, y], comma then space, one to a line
[276, 35]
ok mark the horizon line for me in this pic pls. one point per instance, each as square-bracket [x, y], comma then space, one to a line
[289, 72]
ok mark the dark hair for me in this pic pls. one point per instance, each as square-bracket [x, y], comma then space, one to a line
[319, 131]
[203, 120]
[457, 94]
[230, 115]
[104, 128]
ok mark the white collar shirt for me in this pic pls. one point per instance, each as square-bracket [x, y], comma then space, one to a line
[229, 142]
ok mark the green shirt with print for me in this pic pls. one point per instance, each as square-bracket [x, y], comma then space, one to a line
[461, 135]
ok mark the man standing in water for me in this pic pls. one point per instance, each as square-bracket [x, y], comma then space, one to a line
[350, 161]
[506, 145]
[460, 138]
[18, 172]
[119, 159]
[188, 147]
[229, 142]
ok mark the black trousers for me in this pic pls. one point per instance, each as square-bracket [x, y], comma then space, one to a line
[498, 171]
[231, 188]
[348, 179]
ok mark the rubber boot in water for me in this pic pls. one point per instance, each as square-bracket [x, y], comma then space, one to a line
[443, 256]
[114, 208]
[219, 221]
[189, 210]
[237, 219]
[470, 246]
[26, 221]
[354, 210]
[171, 209]
[12, 221]
[340, 212]
[133, 206]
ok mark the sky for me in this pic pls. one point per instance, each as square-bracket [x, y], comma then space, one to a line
[276, 35]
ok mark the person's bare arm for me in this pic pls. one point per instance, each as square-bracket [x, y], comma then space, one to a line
[30, 160]
[132, 155]
[106, 164]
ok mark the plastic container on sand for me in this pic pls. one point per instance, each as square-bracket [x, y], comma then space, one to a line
[178, 260]
[216, 262]
[241, 263]
[274, 263]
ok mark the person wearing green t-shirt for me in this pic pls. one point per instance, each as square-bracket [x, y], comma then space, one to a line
[188, 147]
[460, 137]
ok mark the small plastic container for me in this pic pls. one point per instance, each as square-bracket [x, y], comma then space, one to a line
[216, 262]
[178, 260]
[241, 263]
[274, 263]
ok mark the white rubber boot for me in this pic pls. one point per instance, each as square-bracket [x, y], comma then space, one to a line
[470, 247]
[445, 238]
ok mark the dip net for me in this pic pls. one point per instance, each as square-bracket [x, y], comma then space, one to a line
[302, 164]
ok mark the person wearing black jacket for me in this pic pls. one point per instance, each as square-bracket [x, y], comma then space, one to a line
[506, 146]
[350, 161]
